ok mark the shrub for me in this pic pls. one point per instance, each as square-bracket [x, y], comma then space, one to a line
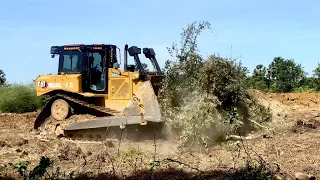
[18, 98]
[206, 98]
[304, 89]
[256, 171]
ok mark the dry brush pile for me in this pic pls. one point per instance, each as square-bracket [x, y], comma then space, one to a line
[204, 99]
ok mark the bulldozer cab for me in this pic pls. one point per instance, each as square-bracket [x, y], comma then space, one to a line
[91, 61]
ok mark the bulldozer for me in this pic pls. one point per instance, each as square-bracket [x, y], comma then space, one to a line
[90, 81]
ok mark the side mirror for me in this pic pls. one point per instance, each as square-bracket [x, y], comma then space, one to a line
[52, 55]
[116, 65]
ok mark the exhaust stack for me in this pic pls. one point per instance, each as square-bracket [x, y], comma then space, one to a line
[125, 64]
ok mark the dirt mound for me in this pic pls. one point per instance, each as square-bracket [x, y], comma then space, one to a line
[17, 121]
[305, 100]
[306, 125]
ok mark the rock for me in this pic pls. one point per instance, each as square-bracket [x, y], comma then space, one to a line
[303, 176]
[3, 144]
[266, 136]
[59, 131]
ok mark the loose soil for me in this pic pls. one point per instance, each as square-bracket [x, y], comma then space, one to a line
[293, 145]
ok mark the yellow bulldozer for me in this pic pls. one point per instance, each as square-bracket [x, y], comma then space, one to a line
[90, 81]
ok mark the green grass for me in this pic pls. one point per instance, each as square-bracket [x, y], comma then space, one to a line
[19, 98]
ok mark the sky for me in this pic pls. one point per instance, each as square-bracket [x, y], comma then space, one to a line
[253, 30]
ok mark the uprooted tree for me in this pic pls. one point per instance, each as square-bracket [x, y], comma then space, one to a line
[206, 98]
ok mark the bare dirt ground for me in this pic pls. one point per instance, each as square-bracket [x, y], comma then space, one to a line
[293, 146]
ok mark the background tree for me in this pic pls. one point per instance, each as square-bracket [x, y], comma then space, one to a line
[285, 74]
[259, 79]
[316, 71]
[2, 77]
[314, 82]
[308, 84]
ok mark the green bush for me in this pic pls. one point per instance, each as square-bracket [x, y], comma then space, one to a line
[17, 98]
[303, 89]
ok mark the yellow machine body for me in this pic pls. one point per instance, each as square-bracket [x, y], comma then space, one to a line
[120, 88]
[128, 100]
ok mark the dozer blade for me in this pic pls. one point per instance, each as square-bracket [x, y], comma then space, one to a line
[132, 132]
[108, 122]
[130, 126]
[131, 112]
[150, 102]
[114, 128]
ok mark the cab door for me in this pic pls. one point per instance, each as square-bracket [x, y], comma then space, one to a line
[98, 72]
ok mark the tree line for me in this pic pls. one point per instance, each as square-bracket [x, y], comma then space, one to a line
[281, 75]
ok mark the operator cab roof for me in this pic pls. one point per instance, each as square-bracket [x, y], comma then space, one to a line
[58, 49]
